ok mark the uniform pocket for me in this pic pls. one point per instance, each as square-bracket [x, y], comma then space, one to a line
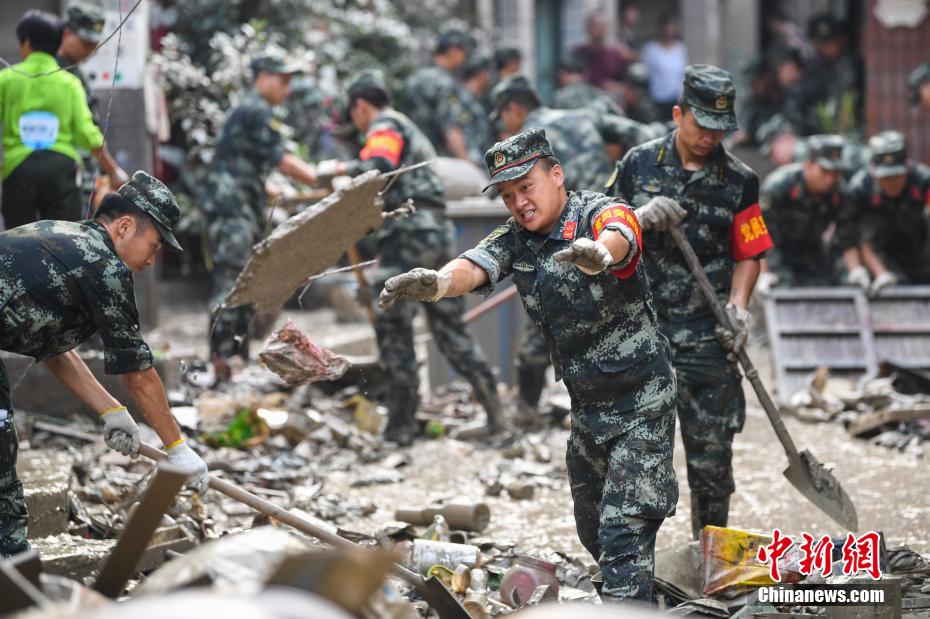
[641, 476]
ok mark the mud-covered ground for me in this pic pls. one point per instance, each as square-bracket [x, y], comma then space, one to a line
[891, 489]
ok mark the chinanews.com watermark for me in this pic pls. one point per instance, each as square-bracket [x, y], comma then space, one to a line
[823, 595]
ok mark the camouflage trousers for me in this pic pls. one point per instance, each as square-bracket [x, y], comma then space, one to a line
[622, 491]
[13, 516]
[398, 252]
[711, 409]
[231, 239]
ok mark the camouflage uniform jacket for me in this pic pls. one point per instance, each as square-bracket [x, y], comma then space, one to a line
[577, 144]
[806, 228]
[724, 224]
[248, 149]
[583, 94]
[434, 102]
[60, 282]
[898, 227]
[392, 142]
[476, 126]
[601, 329]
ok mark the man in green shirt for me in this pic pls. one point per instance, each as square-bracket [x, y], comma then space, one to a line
[45, 119]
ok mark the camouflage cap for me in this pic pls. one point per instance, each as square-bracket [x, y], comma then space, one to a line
[889, 154]
[86, 21]
[824, 27]
[366, 80]
[275, 62]
[710, 94]
[516, 156]
[917, 78]
[637, 75]
[515, 84]
[826, 151]
[455, 37]
[150, 195]
[476, 64]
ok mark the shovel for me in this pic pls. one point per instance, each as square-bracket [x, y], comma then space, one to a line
[431, 589]
[804, 471]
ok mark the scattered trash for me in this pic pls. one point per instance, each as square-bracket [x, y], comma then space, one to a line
[420, 555]
[521, 582]
[290, 354]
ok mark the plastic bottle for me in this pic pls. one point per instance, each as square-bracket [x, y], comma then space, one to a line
[419, 555]
[438, 531]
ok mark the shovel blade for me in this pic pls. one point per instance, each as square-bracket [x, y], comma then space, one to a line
[440, 599]
[818, 484]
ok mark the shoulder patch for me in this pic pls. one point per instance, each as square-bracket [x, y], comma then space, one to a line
[275, 124]
[496, 233]
[613, 178]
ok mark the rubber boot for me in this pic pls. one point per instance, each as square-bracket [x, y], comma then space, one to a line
[530, 382]
[401, 427]
[486, 394]
[707, 510]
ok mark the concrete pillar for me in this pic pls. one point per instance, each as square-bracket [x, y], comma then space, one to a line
[700, 22]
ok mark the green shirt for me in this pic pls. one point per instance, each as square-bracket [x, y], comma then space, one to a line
[47, 112]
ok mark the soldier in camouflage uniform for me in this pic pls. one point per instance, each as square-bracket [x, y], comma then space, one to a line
[576, 140]
[718, 194]
[476, 80]
[918, 83]
[831, 85]
[637, 102]
[83, 31]
[61, 282]
[392, 141]
[434, 96]
[812, 221]
[576, 92]
[250, 146]
[891, 198]
[574, 258]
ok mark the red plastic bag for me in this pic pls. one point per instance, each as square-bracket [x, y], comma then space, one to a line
[294, 357]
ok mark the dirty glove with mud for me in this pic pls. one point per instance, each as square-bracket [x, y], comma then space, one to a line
[858, 277]
[734, 340]
[660, 214]
[184, 460]
[591, 257]
[882, 280]
[415, 285]
[120, 432]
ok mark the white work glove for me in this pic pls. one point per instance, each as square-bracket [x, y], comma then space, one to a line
[734, 340]
[883, 279]
[591, 257]
[415, 285]
[766, 282]
[120, 432]
[858, 277]
[183, 459]
[660, 214]
[328, 167]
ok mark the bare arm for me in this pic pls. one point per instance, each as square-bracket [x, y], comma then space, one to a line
[117, 175]
[744, 279]
[872, 261]
[149, 393]
[616, 243]
[297, 169]
[466, 276]
[456, 142]
[74, 374]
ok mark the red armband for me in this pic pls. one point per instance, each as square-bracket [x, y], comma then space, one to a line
[748, 235]
[385, 143]
[619, 214]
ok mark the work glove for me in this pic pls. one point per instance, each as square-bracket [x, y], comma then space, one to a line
[660, 214]
[120, 432]
[883, 279]
[415, 285]
[183, 459]
[328, 167]
[591, 257]
[734, 340]
[858, 277]
[766, 282]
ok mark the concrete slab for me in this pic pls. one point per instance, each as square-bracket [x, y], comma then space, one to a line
[307, 244]
[46, 477]
[72, 557]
